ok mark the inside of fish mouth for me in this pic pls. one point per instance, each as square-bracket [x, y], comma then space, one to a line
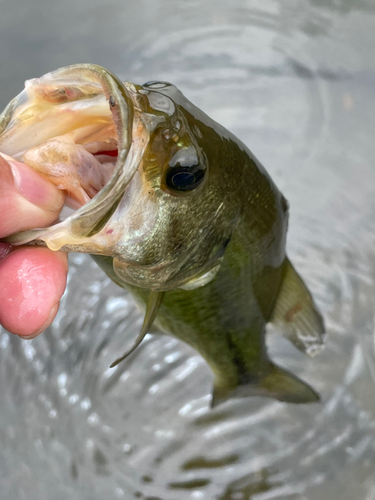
[80, 156]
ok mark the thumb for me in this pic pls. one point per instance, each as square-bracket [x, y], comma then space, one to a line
[27, 200]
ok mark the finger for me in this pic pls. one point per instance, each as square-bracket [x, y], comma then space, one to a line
[27, 200]
[32, 281]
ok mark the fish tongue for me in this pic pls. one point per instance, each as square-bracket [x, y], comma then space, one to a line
[70, 167]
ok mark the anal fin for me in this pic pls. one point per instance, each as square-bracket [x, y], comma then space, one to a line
[296, 315]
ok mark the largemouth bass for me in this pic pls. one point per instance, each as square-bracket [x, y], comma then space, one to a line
[175, 209]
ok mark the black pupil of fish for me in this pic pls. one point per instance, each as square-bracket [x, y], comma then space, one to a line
[182, 180]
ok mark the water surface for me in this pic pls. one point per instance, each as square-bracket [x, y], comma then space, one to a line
[296, 82]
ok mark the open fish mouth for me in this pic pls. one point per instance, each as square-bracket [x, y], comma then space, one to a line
[89, 134]
[75, 127]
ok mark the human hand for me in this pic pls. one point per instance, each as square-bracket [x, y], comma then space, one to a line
[32, 279]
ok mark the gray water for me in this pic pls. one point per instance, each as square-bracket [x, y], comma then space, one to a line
[295, 80]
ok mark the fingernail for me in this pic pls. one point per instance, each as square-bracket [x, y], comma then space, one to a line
[35, 188]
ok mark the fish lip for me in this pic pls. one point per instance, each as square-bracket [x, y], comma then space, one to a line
[84, 222]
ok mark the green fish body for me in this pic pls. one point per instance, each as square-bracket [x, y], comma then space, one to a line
[193, 226]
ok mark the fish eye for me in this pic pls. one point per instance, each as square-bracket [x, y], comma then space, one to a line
[185, 171]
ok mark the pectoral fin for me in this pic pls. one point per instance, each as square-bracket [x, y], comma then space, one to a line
[277, 383]
[154, 301]
[296, 315]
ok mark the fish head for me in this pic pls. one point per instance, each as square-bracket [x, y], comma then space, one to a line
[173, 224]
[163, 214]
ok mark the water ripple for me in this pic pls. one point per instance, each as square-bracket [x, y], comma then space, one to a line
[296, 84]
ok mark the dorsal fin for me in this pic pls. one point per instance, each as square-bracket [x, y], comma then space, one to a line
[296, 315]
[154, 301]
